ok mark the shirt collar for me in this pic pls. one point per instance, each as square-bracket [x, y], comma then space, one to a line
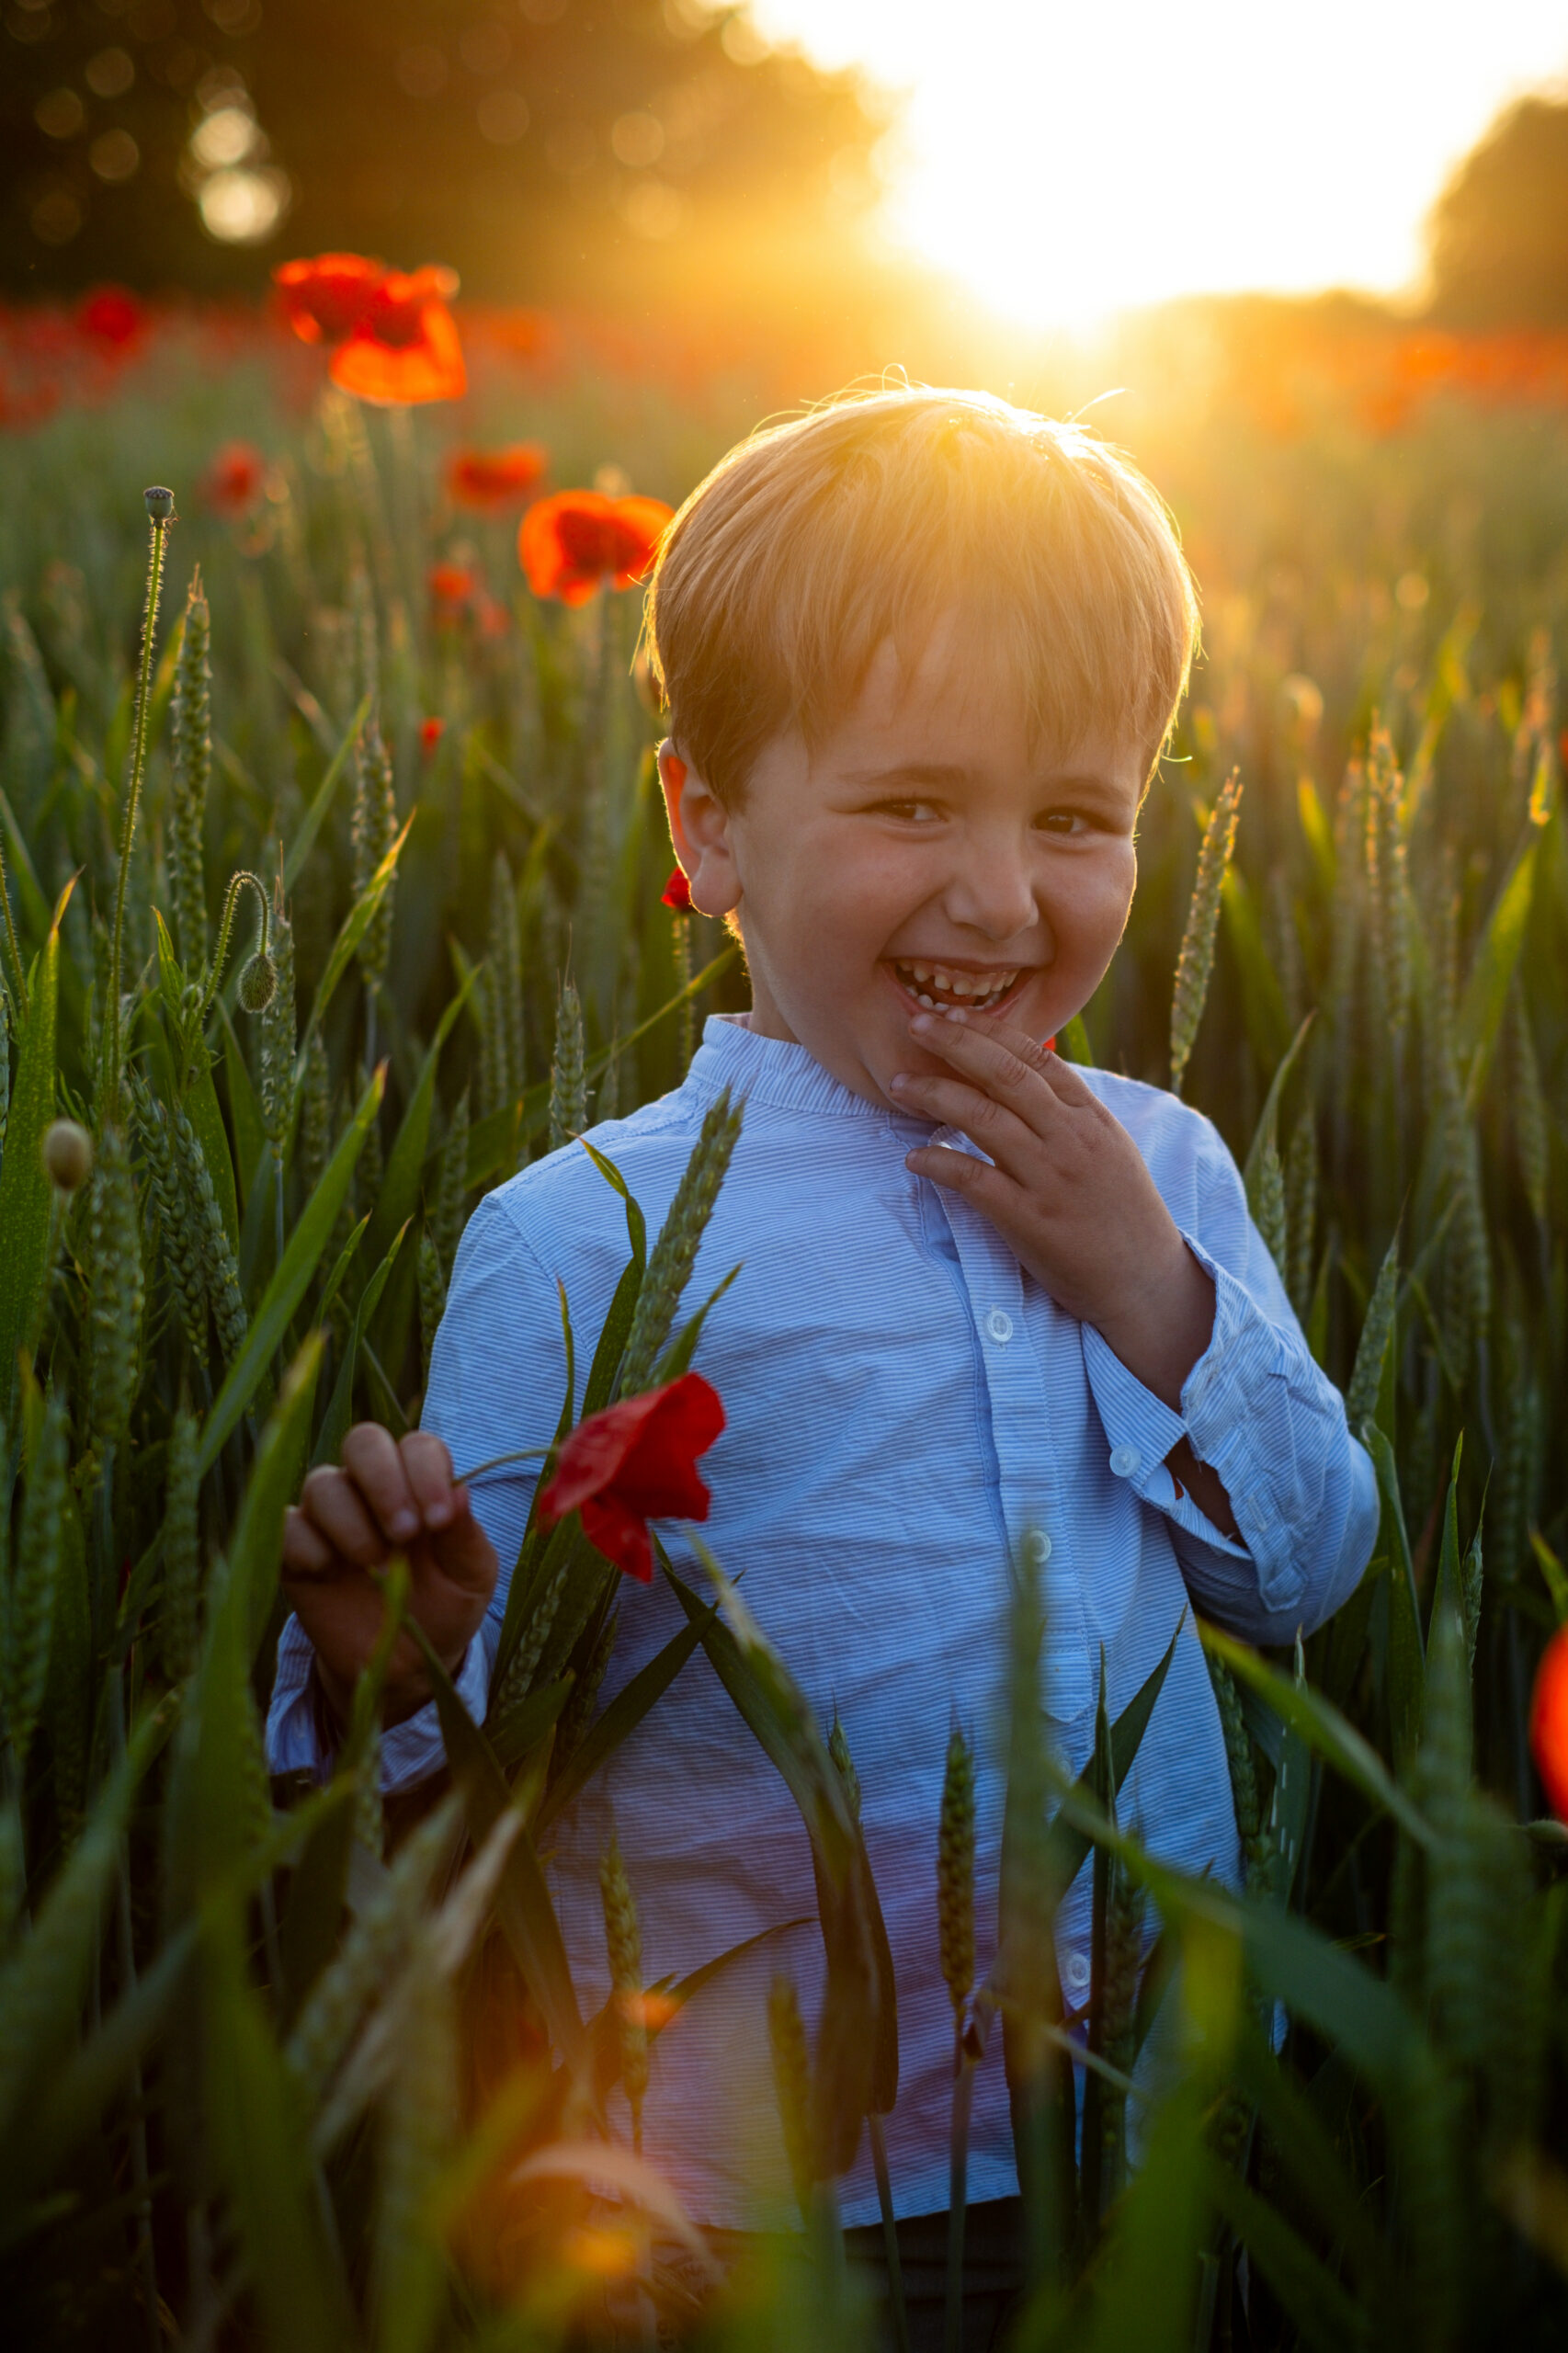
[776, 1072]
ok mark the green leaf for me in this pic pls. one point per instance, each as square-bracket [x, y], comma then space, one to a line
[1262, 999]
[1322, 1728]
[624, 1713]
[262, 2145]
[258, 1545]
[1497, 951]
[356, 923]
[340, 1407]
[315, 817]
[1407, 1650]
[399, 1196]
[512, 1735]
[1268, 1129]
[250, 1131]
[1066, 1848]
[44, 1981]
[26, 1197]
[1324, 2312]
[202, 1109]
[522, 1899]
[289, 1283]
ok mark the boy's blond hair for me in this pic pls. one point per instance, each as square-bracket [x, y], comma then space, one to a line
[869, 519]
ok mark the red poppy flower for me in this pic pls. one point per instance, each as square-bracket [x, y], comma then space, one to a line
[430, 734]
[110, 316]
[404, 343]
[1548, 1723]
[491, 480]
[676, 894]
[232, 483]
[325, 298]
[635, 1462]
[453, 587]
[569, 545]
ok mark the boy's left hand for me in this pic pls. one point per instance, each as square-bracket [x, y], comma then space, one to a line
[1068, 1191]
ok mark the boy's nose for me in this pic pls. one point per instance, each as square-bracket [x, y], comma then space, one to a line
[992, 894]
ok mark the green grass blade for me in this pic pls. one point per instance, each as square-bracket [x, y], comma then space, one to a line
[356, 923]
[1325, 1731]
[399, 1196]
[284, 1292]
[522, 1899]
[1326, 2314]
[340, 1406]
[43, 1983]
[263, 2150]
[316, 815]
[258, 1545]
[1485, 997]
[625, 1713]
[26, 1197]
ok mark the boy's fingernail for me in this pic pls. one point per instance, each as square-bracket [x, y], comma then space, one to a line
[437, 1514]
[921, 1023]
[899, 1081]
[404, 1524]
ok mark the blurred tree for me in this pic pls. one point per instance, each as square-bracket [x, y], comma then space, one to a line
[539, 146]
[1498, 233]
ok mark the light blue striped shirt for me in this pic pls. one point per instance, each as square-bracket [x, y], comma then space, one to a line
[904, 1405]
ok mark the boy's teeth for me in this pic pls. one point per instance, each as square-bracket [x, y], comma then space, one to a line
[977, 989]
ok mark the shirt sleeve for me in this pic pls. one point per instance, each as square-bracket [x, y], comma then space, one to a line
[497, 1378]
[1259, 1412]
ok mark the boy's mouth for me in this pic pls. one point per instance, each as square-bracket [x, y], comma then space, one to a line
[946, 988]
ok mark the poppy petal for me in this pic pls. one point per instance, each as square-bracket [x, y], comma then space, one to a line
[620, 1535]
[1548, 1723]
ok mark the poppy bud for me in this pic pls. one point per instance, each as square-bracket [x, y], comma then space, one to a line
[160, 504]
[258, 981]
[67, 1155]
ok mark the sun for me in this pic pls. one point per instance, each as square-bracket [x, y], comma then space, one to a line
[1070, 161]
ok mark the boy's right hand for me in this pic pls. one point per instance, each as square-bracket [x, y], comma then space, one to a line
[388, 1497]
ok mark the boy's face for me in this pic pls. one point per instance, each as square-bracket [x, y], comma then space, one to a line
[924, 852]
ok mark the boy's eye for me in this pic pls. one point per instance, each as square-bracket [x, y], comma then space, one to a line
[1062, 821]
[920, 812]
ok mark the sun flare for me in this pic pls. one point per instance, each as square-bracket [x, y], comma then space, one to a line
[1068, 163]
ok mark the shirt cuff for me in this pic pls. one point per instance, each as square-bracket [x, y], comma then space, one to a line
[299, 1734]
[1143, 1429]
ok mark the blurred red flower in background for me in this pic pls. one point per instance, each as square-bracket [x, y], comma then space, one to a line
[635, 1462]
[1548, 1723]
[492, 479]
[403, 346]
[453, 587]
[112, 318]
[571, 544]
[676, 894]
[235, 479]
[430, 734]
[324, 297]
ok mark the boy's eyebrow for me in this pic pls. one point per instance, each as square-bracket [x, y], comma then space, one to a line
[938, 773]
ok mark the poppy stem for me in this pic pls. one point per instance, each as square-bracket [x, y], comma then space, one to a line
[499, 1463]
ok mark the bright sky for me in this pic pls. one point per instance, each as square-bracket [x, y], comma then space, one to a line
[1068, 160]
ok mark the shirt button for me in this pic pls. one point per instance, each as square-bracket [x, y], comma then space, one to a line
[1078, 1971]
[1124, 1461]
[1038, 1546]
[999, 1325]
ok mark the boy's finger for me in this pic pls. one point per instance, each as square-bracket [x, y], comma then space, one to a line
[372, 1459]
[993, 1125]
[988, 1190]
[1066, 1084]
[338, 1511]
[427, 1467]
[1014, 1078]
[306, 1552]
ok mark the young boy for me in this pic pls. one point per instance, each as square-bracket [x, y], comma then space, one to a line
[921, 651]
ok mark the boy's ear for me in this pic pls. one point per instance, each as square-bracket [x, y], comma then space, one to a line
[699, 828]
